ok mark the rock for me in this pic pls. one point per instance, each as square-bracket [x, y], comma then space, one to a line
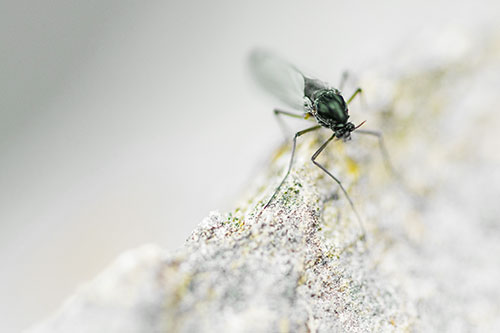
[430, 259]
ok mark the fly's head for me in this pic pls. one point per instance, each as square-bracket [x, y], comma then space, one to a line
[343, 131]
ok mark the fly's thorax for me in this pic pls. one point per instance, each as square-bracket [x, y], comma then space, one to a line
[329, 108]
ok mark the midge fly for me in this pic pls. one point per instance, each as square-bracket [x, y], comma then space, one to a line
[315, 99]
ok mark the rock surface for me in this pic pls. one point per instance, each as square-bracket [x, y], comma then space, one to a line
[430, 259]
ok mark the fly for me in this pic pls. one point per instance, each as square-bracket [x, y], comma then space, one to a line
[314, 98]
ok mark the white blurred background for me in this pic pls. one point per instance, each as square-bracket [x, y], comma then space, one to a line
[126, 122]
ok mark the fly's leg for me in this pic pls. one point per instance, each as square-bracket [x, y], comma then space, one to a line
[310, 129]
[343, 79]
[383, 149]
[278, 113]
[290, 114]
[313, 158]
[358, 91]
[388, 165]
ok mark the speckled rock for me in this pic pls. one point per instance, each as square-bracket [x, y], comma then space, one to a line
[430, 259]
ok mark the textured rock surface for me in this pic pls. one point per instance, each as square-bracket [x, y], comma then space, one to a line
[430, 261]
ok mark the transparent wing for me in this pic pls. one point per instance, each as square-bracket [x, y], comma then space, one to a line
[280, 78]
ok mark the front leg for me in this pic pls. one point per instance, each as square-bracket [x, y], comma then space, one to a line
[307, 130]
[313, 158]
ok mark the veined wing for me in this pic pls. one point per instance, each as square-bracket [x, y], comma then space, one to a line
[280, 78]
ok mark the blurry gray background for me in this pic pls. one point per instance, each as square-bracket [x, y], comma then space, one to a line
[126, 122]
